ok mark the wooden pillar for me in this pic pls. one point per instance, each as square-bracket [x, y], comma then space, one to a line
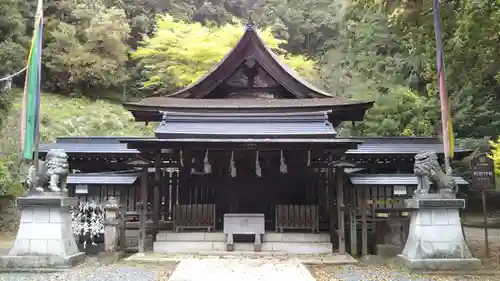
[123, 212]
[333, 210]
[352, 219]
[156, 192]
[364, 223]
[143, 206]
[339, 175]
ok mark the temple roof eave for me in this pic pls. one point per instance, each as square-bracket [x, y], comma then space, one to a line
[150, 110]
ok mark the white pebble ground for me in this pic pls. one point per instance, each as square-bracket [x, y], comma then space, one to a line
[241, 269]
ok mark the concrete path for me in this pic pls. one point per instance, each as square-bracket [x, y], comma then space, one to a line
[240, 269]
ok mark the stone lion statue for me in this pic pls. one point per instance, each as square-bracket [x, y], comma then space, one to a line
[52, 173]
[427, 169]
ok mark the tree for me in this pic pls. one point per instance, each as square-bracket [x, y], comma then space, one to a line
[309, 27]
[87, 48]
[12, 52]
[179, 53]
[400, 112]
[495, 155]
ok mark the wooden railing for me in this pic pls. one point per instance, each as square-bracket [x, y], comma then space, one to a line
[194, 216]
[297, 217]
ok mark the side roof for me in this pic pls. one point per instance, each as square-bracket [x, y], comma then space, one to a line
[400, 146]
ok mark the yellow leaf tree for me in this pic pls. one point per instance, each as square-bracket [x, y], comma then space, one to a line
[495, 155]
[179, 53]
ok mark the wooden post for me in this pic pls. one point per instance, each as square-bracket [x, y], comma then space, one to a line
[352, 219]
[340, 209]
[364, 223]
[143, 206]
[332, 212]
[123, 212]
[485, 216]
[156, 192]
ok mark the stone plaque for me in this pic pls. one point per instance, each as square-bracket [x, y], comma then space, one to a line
[483, 173]
[435, 203]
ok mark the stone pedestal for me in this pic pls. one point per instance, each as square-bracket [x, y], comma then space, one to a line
[435, 239]
[44, 238]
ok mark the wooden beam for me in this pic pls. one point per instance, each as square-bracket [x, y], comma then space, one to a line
[364, 224]
[142, 211]
[243, 90]
[340, 209]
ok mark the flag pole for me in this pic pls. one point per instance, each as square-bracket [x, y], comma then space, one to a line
[443, 95]
[37, 116]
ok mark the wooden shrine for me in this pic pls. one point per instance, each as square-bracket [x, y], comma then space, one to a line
[254, 140]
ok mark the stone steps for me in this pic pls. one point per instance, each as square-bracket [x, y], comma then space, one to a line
[207, 246]
[220, 237]
[286, 243]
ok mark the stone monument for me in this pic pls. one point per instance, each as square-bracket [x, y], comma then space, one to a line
[435, 239]
[45, 238]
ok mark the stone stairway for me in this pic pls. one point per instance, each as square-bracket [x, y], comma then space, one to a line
[214, 242]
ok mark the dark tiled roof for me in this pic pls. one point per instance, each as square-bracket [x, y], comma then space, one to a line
[170, 103]
[245, 125]
[107, 179]
[391, 179]
[399, 145]
[90, 145]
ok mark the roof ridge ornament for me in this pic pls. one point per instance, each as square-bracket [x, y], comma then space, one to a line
[250, 22]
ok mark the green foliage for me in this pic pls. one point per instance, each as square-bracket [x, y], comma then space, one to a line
[179, 53]
[91, 54]
[310, 27]
[63, 116]
[495, 155]
[400, 112]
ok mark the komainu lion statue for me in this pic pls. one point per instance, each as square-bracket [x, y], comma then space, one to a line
[52, 173]
[428, 170]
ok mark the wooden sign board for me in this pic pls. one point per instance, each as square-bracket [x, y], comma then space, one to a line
[483, 173]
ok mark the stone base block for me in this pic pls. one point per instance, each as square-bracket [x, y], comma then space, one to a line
[467, 264]
[435, 240]
[37, 262]
[388, 251]
[45, 237]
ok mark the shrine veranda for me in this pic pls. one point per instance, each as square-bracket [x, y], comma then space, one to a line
[251, 137]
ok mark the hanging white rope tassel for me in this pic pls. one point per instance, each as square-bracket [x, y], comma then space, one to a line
[258, 170]
[308, 158]
[232, 166]
[283, 166]
[207, 167]
[181, 159]
[193, 161]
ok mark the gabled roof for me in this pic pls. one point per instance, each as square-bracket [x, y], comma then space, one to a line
[251, 46]
[250, 53]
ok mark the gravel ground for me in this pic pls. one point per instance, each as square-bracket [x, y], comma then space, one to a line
[389, 272]
[133, 271]
[92, 271]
